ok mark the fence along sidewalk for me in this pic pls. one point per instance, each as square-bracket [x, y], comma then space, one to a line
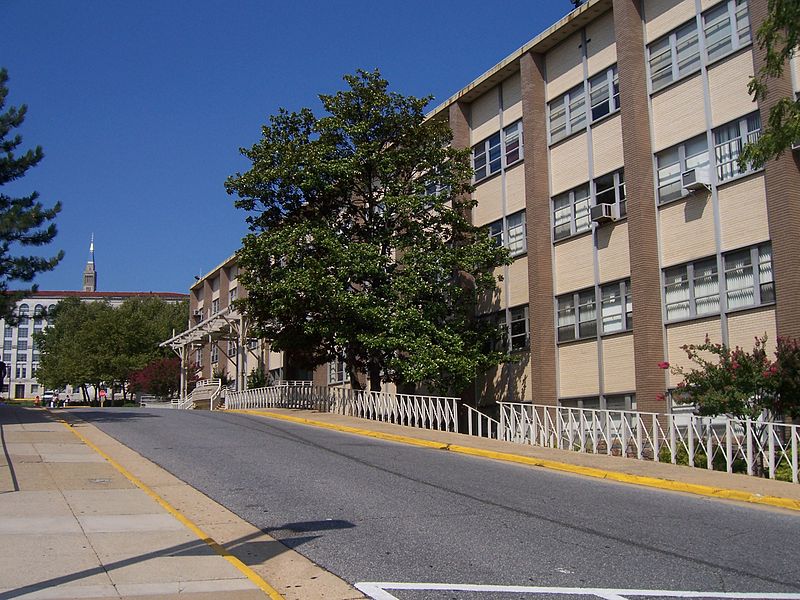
[425, 412]
[717, 443]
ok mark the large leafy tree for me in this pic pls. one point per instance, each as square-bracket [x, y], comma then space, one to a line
[24, 221]
[779, 36]
[360, 246]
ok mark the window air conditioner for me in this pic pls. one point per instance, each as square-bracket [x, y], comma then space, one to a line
[796, 146]
[602, 213]
[198, 313]
[695, 179]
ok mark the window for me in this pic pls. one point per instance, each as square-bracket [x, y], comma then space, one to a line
[672, 162]
[34, 387]
[198, 358]
[726, 28]
[691, 290]
[22, 333]
[512, 236]
[22, 371]
[337, 372]
[610, 402]
[497, 151]
[214, 354]
[728, 142]
[215, 306]
[22, 357]
[673, 56]
[232, 295]
[744, 285]
[231, 348]
[610, 189]
[571, 212]
[616, 308]
[6, 344]
[518, 334]
[8, 332]
[7, 357]
[604, 93]
[575, 324]
[568, 113]
[22, 344]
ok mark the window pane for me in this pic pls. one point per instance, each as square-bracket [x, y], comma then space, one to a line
[566, 318]
[516, 232]
[742, 22]
[599, 92]
[479, 161]
[706, 287]
[512, 147]
[587, 314]
[582, 221]
[717, 26]
[519, 327]
[494, 153]
[558, 119]
[687, 48]
[611, 308]
[660, 63]
[696, 152]
[604, 190]
[577, 109]
[496, 232]
[676, 293]
[765, 274]
[615, 89]
[728, 146]
[669, 175]
[739, 279]
[562, 216]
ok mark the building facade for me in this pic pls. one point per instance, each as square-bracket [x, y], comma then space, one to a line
[605, 159]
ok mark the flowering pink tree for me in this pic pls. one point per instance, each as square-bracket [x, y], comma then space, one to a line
[741, 383]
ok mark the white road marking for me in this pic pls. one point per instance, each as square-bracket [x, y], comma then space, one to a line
[378, 591]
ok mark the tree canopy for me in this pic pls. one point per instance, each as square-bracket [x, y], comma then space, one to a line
[779, 36]
[24, 221]
[94, 343]
[361, 248]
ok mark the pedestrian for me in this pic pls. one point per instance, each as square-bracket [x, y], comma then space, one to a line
[54, 400]
[103, 396]
[37, 401]
[66, 401]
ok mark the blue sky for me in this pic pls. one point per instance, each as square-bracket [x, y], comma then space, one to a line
[141, 107]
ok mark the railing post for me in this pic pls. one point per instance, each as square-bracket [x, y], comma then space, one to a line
[795, 431]
[771, 446]
[654, 438]
[709, 447]
[749, 433]
[690, 439]
[673, 445]
[455, 415]
[728, 446]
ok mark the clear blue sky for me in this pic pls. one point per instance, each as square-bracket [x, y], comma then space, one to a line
[141, 107]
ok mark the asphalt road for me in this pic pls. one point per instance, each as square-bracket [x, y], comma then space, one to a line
[370, 510]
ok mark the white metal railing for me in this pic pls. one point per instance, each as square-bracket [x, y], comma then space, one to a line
[717, 443]
[200, 388]
[481, 425]
[426, 412]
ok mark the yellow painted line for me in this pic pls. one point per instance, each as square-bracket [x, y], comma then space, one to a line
[209, 541]
[653, 482]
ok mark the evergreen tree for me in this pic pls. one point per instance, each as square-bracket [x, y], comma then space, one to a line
[23, 221]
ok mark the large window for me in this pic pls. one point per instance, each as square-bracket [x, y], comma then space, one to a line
[748, 277]
[576, 315]
[214, 354]
[726, 28]
[672, 162]
[729, 141]
[604, 93]
[610, 189]
[215, 306]
[500, 150]
[518, 333]
[571, 212]
[673, 56]
[510, 232]
[693, 290]
[568, 113]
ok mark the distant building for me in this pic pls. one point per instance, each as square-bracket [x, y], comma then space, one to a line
[19, 352]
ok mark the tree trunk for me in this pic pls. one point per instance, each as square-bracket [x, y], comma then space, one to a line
[374, 378]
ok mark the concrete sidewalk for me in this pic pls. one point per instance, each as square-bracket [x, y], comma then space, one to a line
[733, 487]
[82, 516]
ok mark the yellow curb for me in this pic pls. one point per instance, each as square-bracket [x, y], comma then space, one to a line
[209, 541]
[653, 482]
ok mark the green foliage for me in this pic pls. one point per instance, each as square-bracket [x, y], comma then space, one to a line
[740, 383]
[257, 378]
[91, 342]
[360, 248]
[23, 221]
[222, 375]
[779, 35]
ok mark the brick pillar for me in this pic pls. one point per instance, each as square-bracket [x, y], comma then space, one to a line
[782, 178]
[537, 217]
[648, 329]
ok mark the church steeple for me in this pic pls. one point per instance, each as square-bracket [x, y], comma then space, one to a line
[89, 273]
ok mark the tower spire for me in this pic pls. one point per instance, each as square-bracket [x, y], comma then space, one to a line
[89, 273]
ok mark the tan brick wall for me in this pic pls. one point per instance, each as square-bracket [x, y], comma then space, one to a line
[569, 163]
[693, 332]
[678, 113]
[743, 327]
[489, 196]
[743, 213]
[577, 369]
[607, 145]
[619, 366]
[665, 15]
[515, 189]
[687, 229]
[602, 47]
[727, 85]
[574, 262]
[484, 116]
[613, 252]
[564, 66]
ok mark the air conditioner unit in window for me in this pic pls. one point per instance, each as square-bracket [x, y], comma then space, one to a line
[796, 146]
[198, 313]
[603, 213]
[696, 179]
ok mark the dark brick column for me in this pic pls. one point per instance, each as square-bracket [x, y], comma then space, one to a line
[782, 178]
[648, 330]
[537, 217]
